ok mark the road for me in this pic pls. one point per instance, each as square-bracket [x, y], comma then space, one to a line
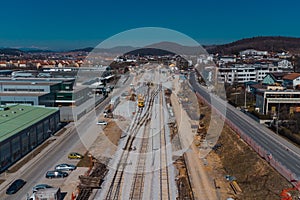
[36, 172]
[281, 150]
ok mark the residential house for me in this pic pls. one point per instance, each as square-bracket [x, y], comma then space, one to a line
[292, 80]
[274, 78]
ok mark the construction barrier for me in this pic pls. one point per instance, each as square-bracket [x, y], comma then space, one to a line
[279, 167]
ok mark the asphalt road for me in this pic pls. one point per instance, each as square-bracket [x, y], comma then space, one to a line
[46, 162]
[281, 150]
[33, 174]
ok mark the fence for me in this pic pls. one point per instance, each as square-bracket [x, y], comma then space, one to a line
[260, 150]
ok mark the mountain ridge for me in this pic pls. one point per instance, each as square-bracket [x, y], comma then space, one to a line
[263, 43]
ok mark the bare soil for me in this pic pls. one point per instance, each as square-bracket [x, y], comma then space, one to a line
[256, 178]
[113, 132]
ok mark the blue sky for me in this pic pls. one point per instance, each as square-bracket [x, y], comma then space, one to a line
[67, 24]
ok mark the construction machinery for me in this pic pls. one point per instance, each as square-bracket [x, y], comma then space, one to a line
[285, 195]
[141, 101]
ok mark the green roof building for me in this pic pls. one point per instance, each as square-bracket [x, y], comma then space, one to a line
[23, 128]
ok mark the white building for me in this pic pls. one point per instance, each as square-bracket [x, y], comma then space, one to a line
[253, 52]
[227, 59]
[285, 64]
[241, 73]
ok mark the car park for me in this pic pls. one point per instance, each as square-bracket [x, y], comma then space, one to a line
[40, 187]
[15, 186]
[56, 174]
[75, 155]
[65, 167]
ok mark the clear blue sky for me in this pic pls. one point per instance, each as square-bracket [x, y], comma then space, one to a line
[65, 24]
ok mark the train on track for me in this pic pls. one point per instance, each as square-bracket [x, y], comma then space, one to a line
[141, 101]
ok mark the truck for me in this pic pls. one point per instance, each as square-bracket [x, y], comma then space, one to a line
[108, 112]
[114, 102]
[47, 194]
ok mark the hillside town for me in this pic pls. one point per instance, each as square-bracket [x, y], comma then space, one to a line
[50, 92]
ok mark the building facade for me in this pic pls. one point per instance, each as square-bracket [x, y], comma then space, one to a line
[23, 128]
[269, 101]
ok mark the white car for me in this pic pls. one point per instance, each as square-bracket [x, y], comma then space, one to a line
[102, 123]
[64, 167]
[40, 186]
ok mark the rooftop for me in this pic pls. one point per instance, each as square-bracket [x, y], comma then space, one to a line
[19, 117]
[29, 94]
[291, 76]
[12, 82]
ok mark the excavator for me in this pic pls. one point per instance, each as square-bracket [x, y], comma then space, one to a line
[285, 195]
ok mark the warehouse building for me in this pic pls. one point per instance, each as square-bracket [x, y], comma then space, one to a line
[23, 128]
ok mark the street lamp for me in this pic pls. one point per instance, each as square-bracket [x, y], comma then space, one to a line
[277, 117]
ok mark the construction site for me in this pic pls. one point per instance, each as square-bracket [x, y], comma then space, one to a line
[158, 140]
[233, 169]
[236, 170]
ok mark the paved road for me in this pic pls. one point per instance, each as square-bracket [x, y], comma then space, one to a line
[281, 150]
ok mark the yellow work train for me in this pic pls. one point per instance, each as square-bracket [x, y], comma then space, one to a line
[141, 101]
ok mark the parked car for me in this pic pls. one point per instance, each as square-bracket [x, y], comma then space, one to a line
[40, 186]
[15, 186]
[75, 155]
[56, 174]
[64, 167]
[102, 122]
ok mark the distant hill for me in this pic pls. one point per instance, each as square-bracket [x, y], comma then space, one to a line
[11, 51]
[87, 49]
[34, 50]
[170, 47]
[276, 44]
[118, 49]
[149, 52]
[177, 48]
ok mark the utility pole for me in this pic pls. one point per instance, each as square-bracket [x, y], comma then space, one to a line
[278, 117]
[245, 106]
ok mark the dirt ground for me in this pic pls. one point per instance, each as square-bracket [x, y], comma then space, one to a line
[106, 144]
[233, 157]
[113, 132]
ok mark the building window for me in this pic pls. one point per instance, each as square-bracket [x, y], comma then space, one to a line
[16, 148]
[40, 133]
[5, 158]
[25, 143]
[32, 136]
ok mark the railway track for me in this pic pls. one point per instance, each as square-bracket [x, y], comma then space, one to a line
[137, 187]
[141, 119]
[164, 173]
[136, 192]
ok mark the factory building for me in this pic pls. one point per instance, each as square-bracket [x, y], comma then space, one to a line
[23, 128]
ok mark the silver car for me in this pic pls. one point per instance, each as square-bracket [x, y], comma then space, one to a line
[65, 167]
[40, 186]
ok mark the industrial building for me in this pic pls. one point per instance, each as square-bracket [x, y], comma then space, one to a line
[269, 101]
[23, 128]
[33, 91]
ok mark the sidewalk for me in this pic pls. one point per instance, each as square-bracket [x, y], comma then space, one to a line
[201, 185]
[10, 177]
